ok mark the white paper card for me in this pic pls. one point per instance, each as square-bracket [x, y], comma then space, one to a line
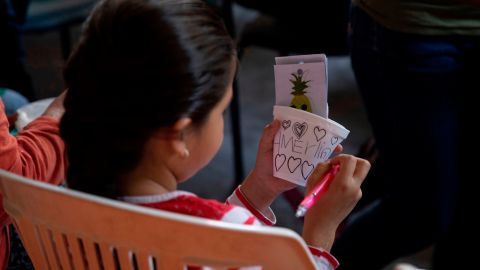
[301, 82]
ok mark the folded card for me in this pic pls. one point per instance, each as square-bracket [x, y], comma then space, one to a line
[306, 136]
[301, 83]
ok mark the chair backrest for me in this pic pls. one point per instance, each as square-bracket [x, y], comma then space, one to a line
[66, 229]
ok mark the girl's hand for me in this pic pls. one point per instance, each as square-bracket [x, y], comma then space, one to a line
[261, 187]
[322, 220]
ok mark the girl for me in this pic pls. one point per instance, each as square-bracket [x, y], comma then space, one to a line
[148, 85]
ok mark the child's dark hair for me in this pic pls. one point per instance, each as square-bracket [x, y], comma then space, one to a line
[140, 66]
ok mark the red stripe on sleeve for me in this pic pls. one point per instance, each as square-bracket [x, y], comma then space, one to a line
[252, 209]
[322, 253]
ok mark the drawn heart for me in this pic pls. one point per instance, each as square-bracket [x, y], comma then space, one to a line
[299, 129]
[286, 124]
[334, 140]
[293, 163]
[279, 161]
[320, 133]
[307, 169]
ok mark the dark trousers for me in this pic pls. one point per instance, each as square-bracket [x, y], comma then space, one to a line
[416, 92]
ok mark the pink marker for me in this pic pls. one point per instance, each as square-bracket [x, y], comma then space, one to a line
[317, 191]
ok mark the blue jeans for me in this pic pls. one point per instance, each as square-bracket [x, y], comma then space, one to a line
[415, 90]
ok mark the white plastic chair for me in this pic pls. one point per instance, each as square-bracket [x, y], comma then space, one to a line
[66, 229]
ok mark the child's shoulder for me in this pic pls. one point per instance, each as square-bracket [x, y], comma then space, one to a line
[190, 204]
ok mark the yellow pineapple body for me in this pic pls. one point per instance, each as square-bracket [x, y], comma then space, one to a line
[301, 102]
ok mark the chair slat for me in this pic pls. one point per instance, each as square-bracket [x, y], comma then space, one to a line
[48, 247]
[31, 240]
[124, 258]
[144, 261]
[76, 252]
[91, 254]
[106, 252]
[62, 250]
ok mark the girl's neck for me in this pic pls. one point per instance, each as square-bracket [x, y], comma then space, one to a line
[148, 180]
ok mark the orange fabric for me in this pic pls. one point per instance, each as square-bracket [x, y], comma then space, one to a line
[37, 152]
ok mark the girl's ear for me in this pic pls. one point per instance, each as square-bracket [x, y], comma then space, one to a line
[179, 143]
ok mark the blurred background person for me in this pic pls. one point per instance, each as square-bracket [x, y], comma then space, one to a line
[415, 63]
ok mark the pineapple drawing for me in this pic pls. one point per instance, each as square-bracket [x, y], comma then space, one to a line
[300, 100]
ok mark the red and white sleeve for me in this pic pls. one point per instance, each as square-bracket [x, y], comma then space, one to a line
[323, 259]
[238, 198]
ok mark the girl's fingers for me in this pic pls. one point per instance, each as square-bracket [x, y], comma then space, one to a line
[317, 173]
[338, 149]
[361, 170]
[347, 165]
[269, 134]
